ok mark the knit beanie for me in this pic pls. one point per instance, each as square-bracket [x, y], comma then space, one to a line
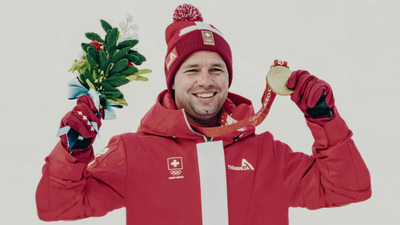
[187, 35]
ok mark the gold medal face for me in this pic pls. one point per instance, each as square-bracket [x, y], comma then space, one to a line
[277, 78]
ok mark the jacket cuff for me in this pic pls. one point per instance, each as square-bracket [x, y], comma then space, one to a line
[328, 133]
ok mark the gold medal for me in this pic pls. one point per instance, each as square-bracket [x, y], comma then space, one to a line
[277, 78]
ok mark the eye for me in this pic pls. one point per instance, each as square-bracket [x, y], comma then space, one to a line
[191, 71]
[216, 70]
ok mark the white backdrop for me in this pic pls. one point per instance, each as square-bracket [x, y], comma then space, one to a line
[352, 44]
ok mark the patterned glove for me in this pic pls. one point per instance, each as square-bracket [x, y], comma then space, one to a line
[313, 96]
[81, 119]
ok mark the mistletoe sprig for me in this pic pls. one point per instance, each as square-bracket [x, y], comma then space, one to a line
[109, 63]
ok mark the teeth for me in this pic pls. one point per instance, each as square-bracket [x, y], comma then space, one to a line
[205, 95]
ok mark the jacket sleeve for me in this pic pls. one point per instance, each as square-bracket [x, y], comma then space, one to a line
[70, 189]
[334, 175]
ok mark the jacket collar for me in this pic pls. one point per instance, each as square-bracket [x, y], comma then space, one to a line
[163, 119]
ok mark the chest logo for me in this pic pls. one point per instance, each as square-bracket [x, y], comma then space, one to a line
[245, 166]
[175, 167]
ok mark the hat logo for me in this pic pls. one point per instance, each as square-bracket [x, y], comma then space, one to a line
[171, 58]
[208, 37]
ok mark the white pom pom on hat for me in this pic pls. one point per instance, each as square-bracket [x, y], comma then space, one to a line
[188, 34]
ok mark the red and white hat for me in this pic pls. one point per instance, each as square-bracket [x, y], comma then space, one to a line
[188, 34]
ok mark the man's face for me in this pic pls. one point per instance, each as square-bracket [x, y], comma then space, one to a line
[201, 86]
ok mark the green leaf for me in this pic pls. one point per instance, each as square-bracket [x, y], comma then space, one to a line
[129, 70]
[111, 39]
[141, 57]
[103, 60]
[77, 65]
[106, 26]
[119, 101]
[92, 51]
[137, 78]
[116, 81]
[143, 71]
[88, 76]
[140, 78]
[119, 66]
[90, 84]
[82, 79]
[94, 37]
[107, 71]
[132, 58]
[115, 75]
[92, 62]
[85, 46]
[127, 43]
[113, 94]
[108, 87]
[121, 53]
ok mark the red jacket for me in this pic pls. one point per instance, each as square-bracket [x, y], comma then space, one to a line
[154, 173]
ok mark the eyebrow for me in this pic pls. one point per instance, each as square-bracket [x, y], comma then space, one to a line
[218, 64]
[196, 65]
[191, 65]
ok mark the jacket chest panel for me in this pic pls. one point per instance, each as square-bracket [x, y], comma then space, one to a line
[255, 188]
[164, 178]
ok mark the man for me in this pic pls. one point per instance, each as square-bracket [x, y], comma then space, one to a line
[168, 172]
[201, 87]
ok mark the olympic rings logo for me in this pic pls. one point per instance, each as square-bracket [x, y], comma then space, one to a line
[176, 172]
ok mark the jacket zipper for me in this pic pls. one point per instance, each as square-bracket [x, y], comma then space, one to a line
[206, 139]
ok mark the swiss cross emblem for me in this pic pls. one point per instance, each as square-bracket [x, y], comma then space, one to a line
[208, 37]
[175, 163]
[175, 167]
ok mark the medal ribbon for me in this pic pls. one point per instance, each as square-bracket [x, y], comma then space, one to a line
[230, 125]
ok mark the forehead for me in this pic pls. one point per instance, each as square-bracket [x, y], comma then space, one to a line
[204, 57]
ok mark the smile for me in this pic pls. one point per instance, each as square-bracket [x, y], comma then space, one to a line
[205, 95]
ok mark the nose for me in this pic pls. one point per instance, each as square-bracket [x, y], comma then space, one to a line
[205, 78]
